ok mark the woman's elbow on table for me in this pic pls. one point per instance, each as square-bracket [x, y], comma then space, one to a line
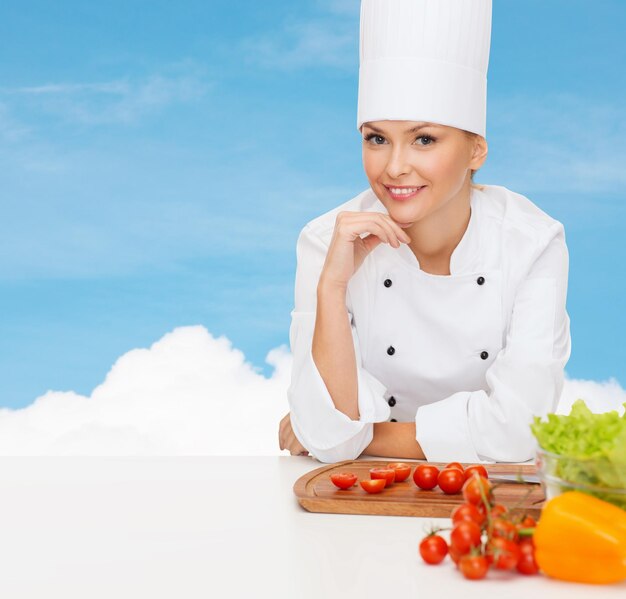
[518, 447]
[350, 449]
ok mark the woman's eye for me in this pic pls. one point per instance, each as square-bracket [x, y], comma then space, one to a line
[373, 136]
[427, 137]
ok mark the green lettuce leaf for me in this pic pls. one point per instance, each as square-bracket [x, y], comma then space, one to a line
[593, 446]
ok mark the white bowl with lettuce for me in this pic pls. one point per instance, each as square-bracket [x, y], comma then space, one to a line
[582, 451]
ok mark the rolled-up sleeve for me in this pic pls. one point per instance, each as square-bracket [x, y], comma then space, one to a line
[327, 433]
[525, 379]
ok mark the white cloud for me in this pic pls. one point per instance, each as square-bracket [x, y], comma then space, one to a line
[558, 142]
[319, 42]
[600, 396]
[120, 101]
[188, 394]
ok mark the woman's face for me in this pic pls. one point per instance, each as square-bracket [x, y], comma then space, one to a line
[411, 154]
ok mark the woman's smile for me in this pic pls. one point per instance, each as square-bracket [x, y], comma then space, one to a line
[403, 193]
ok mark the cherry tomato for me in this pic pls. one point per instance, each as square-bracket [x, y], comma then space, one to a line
[425, 476]
[527, 564]
[456, 465]
[373, 486]
[433, 549]
[528, 522]
[504, 529]
[503, 553]
[474, 489]
[498, 510]
[403, 471]
[450, 480]
[476, 468]
[344, 480]
[387, 474]
[455, 555]
[483, 509]
[473, 566]
[465, 535]
[467, 511]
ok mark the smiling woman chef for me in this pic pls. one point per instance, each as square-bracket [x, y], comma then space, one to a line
[429, 318]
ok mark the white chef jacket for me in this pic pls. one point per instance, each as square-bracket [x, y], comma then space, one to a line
[471, 357]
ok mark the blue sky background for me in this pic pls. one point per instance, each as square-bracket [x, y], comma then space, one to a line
[158, 159]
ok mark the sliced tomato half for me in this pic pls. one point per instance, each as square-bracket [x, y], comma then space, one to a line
[373, 486]
[403, 470]
[344, 480]
[388, 474]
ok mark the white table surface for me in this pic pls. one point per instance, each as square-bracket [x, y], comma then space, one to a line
[188, 527]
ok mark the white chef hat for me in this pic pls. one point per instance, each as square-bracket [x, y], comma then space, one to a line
[425, 60]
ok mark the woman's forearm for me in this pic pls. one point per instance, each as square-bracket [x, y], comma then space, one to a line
[333, 348]
[395, 440]
[334, 356]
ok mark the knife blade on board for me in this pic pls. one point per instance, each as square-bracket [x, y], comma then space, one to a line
[514, 478]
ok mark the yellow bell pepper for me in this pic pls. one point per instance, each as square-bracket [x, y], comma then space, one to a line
[581, 538]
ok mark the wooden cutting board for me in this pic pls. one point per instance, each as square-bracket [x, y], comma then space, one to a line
[317, 493]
